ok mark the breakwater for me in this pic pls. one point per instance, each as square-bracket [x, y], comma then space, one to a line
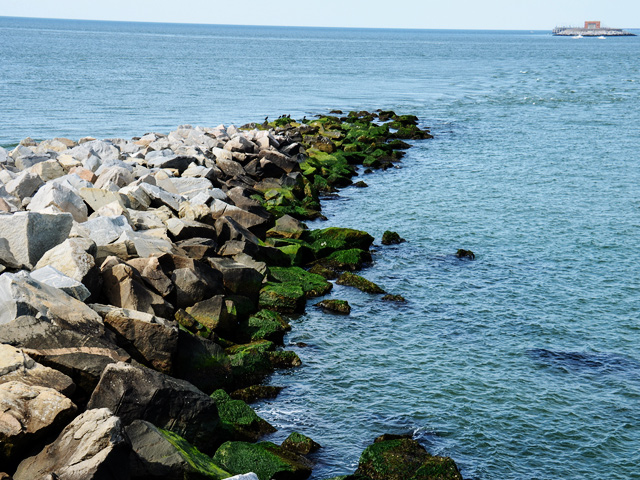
[143, 289]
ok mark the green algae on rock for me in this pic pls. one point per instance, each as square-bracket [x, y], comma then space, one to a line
[300, 444]
[283, 297]
[328, 240]
[353, 280]
[199, 464]
[341, 307]
[254, 393]
[352, 259]
[239, 419]
[311, 284]
[264, 325]
[391, 238]
[267, 460]
[404, 459]
[394, 298]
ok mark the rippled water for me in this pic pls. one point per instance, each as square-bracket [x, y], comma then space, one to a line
[521, 364]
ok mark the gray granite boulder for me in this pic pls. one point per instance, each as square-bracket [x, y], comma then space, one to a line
[161, 454]
[92, 447]
[135, 393]
[75, 258]
[28, 235]
[151, 340]
[55, 278]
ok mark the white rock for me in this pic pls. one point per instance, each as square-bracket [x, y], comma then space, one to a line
[106, 230]
[57, 279]
[75, 258]
[24, 185]
[29, 235]
[63, 198]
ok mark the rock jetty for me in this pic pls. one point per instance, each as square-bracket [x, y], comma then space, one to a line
[143, 286]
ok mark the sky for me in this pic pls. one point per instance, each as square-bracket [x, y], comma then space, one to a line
[452, 14]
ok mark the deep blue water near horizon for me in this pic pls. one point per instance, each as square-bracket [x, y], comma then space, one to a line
[522, 364]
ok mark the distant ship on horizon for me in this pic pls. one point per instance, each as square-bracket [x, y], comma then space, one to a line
[591, 29]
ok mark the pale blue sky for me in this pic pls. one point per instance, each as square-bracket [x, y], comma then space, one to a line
[462, 14]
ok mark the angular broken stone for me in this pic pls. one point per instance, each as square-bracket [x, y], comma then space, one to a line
[17, 366]
[124, 287]
[28, 235]
[27, 414]
[54, 278]
[135, 393]
[91, 447]
[151, 340]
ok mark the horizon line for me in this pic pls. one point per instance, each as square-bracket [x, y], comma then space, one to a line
[156, 22]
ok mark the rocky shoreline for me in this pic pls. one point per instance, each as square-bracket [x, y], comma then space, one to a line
[144, 290]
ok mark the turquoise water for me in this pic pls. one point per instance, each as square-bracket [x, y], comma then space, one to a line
[523, 364]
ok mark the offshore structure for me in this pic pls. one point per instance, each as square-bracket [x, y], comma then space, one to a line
[591, 29]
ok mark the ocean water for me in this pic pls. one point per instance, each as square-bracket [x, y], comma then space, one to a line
[522, 364]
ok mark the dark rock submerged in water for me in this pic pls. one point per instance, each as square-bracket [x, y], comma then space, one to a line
[404, 459]
[138, 277]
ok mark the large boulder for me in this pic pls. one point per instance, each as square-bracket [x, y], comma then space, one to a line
[53, 277]
[29, 235]
[239, 419]
[123, 287]
[404, 459]
[159, 453]
[265, 459]
[194, 281]
[16, 365]
[202, 362]
[238, 278]
[216, 313]
[55, 329]
[27, 414]
[135, 393]
[57, 196]
[151, 272]
[151, 340]
[75, 258]
[92, 447]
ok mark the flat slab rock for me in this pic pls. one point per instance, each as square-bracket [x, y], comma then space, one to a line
[16, 365]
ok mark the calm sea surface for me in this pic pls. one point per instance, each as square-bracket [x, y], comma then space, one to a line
[524, 364]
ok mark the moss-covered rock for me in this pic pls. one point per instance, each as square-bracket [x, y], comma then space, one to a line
[352, 259]
[468, 254]
[394, 298]
[323, 271]
[256, 392]
[335, 306]
[311, 284]
[239, 420]
[265, 459]
[250, 363]
[284, 359]
[283, 297]
[391, 238]
[300, 444]
[405, 459]
[353, 280]
[328, 240]
[264, 325]
[160, 453]
[287, 227]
